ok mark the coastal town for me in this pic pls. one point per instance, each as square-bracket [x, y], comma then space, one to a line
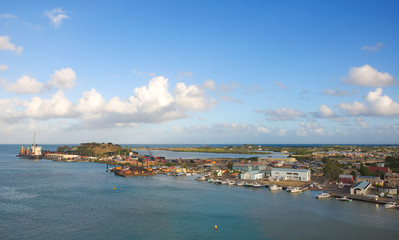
[365, 173]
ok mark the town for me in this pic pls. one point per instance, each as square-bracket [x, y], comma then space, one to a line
[366, 173]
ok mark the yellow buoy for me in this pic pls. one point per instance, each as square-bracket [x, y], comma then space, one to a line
[216, 226]
[114, 189]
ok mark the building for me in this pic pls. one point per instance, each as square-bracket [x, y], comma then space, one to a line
[361, 188]
[385, 170]
[253, 175]
[346, 179]
[291, 174]
[371, 179]
[248, 167]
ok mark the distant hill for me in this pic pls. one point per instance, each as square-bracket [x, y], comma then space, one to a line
[94, 149]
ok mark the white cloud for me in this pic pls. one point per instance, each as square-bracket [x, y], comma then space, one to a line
[283, 114]
[362, 123]
[191, 97]
[24, 85]
[374, 48]
[182, 74]
[7, 16]
[226, 98]
[209, 84]
[63, 79]
[368, 76]
[338, 92]
[3, 67]
[224, 87]
[56, 16]
[280, 84]
[326, 111]
[310, 127]
[376, 105]
[5, 44]
[55, 107]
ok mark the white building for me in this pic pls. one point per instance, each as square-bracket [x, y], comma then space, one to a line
[291, 174]
[253, 175]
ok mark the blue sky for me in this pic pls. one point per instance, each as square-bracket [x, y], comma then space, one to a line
[199, 72]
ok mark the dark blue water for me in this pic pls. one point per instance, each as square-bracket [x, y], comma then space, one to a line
[56, 200]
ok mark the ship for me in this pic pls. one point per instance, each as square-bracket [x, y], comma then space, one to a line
[34, 152]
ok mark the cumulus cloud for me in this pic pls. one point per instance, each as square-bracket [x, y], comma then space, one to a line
[310, 127]
[191, 97]
[56, 16]
[374, 48]
[338, 92]
[55, 107]
[376, 105]
[283, 114]
[326, 112]
[209, 84]
[24, 85]
[3, 67]
[182, 74]
[63, 79]
[368, 76]
[362, 123]
[5, 44]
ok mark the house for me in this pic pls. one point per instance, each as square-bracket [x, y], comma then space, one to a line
[249, 167]
[385, 170]
[346, 179]
[361, 188]
[253, 175]
[370, 179]
[291, 174]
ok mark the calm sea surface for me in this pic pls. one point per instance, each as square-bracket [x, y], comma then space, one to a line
[56, 200]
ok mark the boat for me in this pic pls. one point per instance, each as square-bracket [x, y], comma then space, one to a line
[33, 153]
[248, 184]
[323, 195]
[258, 185]
[274, 187]
[210, 180]
[240, 183]
[232, 182]
[293, 189]
[225, 182]
[200, 178]
[217, 181]
[344, 198]
[391, 205]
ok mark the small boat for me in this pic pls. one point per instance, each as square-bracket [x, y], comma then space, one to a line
[258, 185]
[240, 183]
[217, 181]
[293, 189]
[225, 182]
[344, 198]
[200, 178]
[323, 195]
[391, 205]
[274, 187]
[248, 184]
[232, 182]
[210, 180]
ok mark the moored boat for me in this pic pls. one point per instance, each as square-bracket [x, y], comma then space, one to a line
[258, 185]
[241, 183]
[274, 187]
[391, 205]
[323, 195]
[200, 178]
[33, 153]
[293, 189]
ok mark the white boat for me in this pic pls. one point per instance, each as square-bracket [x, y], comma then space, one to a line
[217, 181]
[390, 205]
[344, 198]
[200, 178]
[274, 187]
[257, 185]
[240, 183]
[225, 182]
[293, 189]
[323, 195]
[232, 182]
[210, 180]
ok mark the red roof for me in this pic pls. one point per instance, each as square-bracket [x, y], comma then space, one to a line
[383, 169]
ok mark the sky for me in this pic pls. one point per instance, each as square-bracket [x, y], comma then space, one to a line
[199, 72]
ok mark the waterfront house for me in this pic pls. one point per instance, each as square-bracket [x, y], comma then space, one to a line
[371, 179]
[346, 179]
[253, 175]
[248, 167]
[361, 188]
[291, 174]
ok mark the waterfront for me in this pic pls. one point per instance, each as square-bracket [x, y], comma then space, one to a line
[58, 200]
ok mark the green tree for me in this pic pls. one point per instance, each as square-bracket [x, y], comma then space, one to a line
[332, 169]
[364, 171]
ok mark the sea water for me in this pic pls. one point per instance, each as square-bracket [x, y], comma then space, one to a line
[43, 199]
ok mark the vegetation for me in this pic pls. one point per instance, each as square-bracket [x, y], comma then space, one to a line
[332, 169]
[95, 149]
[393, 163]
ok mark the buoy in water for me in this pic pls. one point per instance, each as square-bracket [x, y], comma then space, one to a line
[216, 226]
[114, 189]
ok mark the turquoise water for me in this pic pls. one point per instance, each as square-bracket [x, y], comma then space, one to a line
[56, 200]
